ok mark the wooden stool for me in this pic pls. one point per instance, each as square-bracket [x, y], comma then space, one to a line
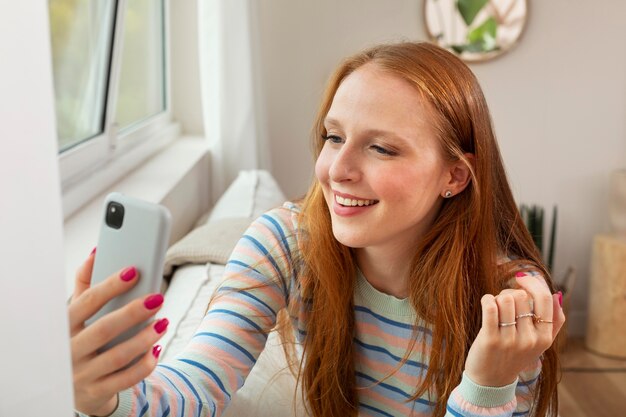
[606, 327]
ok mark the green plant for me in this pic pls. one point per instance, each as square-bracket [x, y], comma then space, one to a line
[533, 217]
[481, 38]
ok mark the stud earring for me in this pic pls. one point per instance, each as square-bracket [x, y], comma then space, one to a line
[448, 194]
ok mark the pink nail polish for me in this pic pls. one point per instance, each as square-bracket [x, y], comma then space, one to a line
[128, 274]
[156, 351]
[520, 274]
[161, 325]
[153, 301]
[560, 298]
[93, 250]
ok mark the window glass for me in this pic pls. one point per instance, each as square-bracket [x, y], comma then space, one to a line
[81, 48]
[142, 78]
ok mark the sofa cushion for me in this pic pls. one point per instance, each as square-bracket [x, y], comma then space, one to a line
[251, 194]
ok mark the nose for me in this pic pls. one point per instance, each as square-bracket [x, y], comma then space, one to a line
[345, 165]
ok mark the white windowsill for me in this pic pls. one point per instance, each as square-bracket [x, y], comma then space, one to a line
[86, 183]
[153, 181]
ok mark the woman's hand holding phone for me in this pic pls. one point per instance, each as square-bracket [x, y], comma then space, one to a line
[99, 376]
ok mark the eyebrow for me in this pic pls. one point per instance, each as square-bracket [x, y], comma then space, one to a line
[370, 132]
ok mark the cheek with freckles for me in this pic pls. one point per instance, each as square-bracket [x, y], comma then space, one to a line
[408, 192]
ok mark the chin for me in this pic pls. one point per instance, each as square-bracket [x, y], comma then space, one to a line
[349, 238]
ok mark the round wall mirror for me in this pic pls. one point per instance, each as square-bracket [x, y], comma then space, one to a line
[476, 30]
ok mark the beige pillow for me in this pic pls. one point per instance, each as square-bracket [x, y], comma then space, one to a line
[251, 194]
[212, 242]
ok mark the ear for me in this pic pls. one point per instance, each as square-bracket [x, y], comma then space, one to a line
[459, 175]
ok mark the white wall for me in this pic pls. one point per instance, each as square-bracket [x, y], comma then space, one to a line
[35, 378]
[558, 101]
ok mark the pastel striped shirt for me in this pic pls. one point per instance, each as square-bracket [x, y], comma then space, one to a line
[202, 379]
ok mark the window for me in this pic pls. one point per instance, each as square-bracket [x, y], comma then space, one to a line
[141, 86]
[81, 45]
[111, 82]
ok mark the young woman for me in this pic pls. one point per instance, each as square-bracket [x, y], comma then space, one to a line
[405, 273]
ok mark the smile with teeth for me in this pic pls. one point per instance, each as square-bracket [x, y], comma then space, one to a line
[348, 202]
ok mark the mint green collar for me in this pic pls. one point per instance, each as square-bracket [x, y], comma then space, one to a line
[380, 302]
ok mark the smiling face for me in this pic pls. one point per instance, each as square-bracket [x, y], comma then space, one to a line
[381, 167]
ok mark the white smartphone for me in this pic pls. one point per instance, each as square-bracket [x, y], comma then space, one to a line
[133, 233]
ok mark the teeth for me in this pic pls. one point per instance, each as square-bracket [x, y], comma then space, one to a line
[353, 203]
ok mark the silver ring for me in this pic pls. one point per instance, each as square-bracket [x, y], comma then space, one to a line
[512, 323]
[525, 315]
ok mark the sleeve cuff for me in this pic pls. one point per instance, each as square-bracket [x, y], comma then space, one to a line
[487, 397]
[124, 404]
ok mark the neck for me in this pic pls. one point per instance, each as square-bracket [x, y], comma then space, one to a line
[386, 269]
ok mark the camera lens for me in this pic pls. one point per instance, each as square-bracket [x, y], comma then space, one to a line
[114, 215]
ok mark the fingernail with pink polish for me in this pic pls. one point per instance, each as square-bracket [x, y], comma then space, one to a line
[128, 274]
[520, 274]
[156, 351]
[93, 250]
[153, 301]
[161, 325]
[560, 298]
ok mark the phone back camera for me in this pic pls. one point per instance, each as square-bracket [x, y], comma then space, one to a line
[115, 215]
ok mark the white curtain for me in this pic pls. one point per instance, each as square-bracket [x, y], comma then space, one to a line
[229, 74]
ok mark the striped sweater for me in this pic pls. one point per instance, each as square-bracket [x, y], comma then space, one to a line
[203, 378]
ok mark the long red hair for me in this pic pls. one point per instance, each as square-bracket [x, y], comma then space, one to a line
[455, 264]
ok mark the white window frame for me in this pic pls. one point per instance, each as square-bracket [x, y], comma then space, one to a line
[90, 168]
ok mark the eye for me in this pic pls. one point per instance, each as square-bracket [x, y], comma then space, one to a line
[383, 151]
[333, 139]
